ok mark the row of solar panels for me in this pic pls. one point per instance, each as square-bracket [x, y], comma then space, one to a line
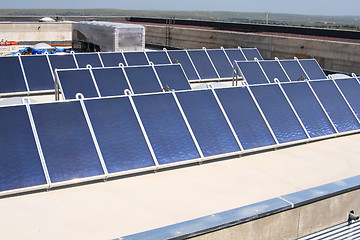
[113, 81]
[50, 144]
[266, 71]
[23, 74]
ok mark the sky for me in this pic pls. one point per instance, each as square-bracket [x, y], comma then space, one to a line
[306, 7]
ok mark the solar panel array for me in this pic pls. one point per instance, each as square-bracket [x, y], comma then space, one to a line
[52, 144]
[28, 74]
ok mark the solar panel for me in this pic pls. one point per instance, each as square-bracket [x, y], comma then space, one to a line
[20, 164]
[208, 122]
[312, 69]
[252, 72]
[221, 62]
[350, 87]
[84, 59]
[158, 57]
[245, 117]
[143, 79]
[112, 59]
[77, 81]
[180, 56]
[278, 112]
[235, 55]
[293, 70]
[252, 53]
[118, 133]
[38, 73]
[173, 76]
[335, 105]
[308, 108]
[273, 70]
[202, 64]
[110, 81]
[136, 58]
[11, 77]
[62, 61]
[165, 127]
[67, 145]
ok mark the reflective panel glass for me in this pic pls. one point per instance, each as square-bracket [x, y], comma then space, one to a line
[180, 56]
[136, 58]
[273, 70]
[38, 73]
[110, 81]
[252, 53]
[62, 61]
[11, 77]
[351, 89]
[252, 72]
[293, 70]
[158, 57]
[312, 69]
[221, 62]
[173, 76]
[112, 59]
[84, 59]
[143, 79]
[202, 64]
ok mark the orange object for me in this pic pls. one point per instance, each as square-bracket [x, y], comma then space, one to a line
[8, 43]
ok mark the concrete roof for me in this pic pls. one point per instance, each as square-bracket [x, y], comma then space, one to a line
[120, 207]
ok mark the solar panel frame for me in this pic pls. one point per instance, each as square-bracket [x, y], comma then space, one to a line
[108, 58]
[153, 57]
[85, 59]
[138, 74]
[350, 87]
[177, 79]
[203, 64]
[312, 69]
[252, 72]
[294, 70]
[12, 78]
[251, 54]
[182, 57]
[222, 63]
[234, 54]
[271, 74]
[136, 58]
[57, 62]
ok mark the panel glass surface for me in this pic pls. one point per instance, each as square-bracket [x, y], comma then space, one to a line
[110, 81]
[119, 135]
[279, 114]
[143, 79]
[84, 59]
[252, 53]
[180, 56]
[136, 58]
[158, 57]
[252, 72]
[173, 76]
[208, 122]
[335, 105]
[20, 164]
[351, 89]
[112, 59]
[166, 128]
[11, 77]
[245, 117]
[77, 81]
[235, 55]
[62, 61]
[273, 70]
[312, 69]
[221, 62]
[202, 64]
[66, 141]
[308, 109]
[293, 70]
[38, 73]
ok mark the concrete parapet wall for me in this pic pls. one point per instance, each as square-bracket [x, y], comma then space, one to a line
[340, 56]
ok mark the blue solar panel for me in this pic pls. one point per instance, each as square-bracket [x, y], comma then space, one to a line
[38, 73]
[11, 77]
[173, 76]
[279, 114]
[136, 58]
[273, 70]
[252, 53]
[62, 61]
[234, 55]
[20, 164]
[180, 56]
[252, 72]
[335, 105]
[221, 62]
[202, 64]
[166, 128]
[158, 57]
[112, 59]
[77, 81]
[308, 108]
[312, 69]
[208, 122]
[110, 81]
[293, 70]
[245, 117]
[66, 141]
[84, 59]
[143, 79]
[119, 135]
[351, 89]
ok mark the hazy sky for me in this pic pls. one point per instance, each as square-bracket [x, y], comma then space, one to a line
[316, 7]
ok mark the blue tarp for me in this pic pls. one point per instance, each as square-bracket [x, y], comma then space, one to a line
[40, 51]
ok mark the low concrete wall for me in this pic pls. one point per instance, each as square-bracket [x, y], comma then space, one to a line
[332, 55]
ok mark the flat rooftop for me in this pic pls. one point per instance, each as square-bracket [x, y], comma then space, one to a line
[120, 207]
